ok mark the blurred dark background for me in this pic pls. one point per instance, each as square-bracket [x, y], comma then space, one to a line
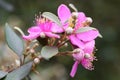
[106, 17]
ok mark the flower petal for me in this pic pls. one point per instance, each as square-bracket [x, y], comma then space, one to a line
[89, 46]
[75, 41]
[80, 20]
[34, 29]
[78, 56]
[56, 29]
[49, 34]
[81, 17]
[46, 27]
[74, 69]
[88, 36]
[63, 13]
[31, 36]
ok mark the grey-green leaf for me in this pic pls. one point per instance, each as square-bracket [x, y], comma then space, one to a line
[47, 52]
[20, 73]
[84, 29]
[51, 17]
[3, 74]
[13, 40]
[73, 7]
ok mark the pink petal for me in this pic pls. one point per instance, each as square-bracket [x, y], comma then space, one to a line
[49, 34]
[46, 26]
[63, 13]
[89, 46]
[88, 36]
[81, 19]
[78, 56]
[56, 29]
[74, 69]
[34, 29]
[31, 36]
[75, 41]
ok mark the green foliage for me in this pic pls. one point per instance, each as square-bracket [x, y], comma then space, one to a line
[105, 14]
[84, 29]
[47, 52]
[20, 73]
[3, 74]
[73, 7]
[13, 40]
[52, 17]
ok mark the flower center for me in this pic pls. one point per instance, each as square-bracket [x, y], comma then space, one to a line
[72, 19]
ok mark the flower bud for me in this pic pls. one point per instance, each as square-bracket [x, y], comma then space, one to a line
[66, 44]
[69, 30]
[36, 44]
[32, 51]
[17, 62]
[42, 35]
[89, 20]
[87, 55]
[76, 50]
[36, 60]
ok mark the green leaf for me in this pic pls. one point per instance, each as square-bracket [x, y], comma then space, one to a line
[84, 29]
[13, 40]
[73, 7]
[20, 73]
[48, 52]
[52, 17]
[100, 35]
[3, 74]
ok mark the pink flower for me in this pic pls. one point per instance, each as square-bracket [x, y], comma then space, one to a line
[43, 28]
[76, 39]
[84, 57]
[83, 40]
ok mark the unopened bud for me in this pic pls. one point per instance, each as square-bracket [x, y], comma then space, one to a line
[76, 50]
[75, 14]
[17, 62]
[66, 44]
[69, 30]
[89, 20]
[32, 51]
[87, 55]
[59, 41]
[28, 48]
[39, 56]
[36, 60]
[42, 35]
[36, 44]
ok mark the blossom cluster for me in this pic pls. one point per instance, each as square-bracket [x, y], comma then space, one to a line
[74, 28]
